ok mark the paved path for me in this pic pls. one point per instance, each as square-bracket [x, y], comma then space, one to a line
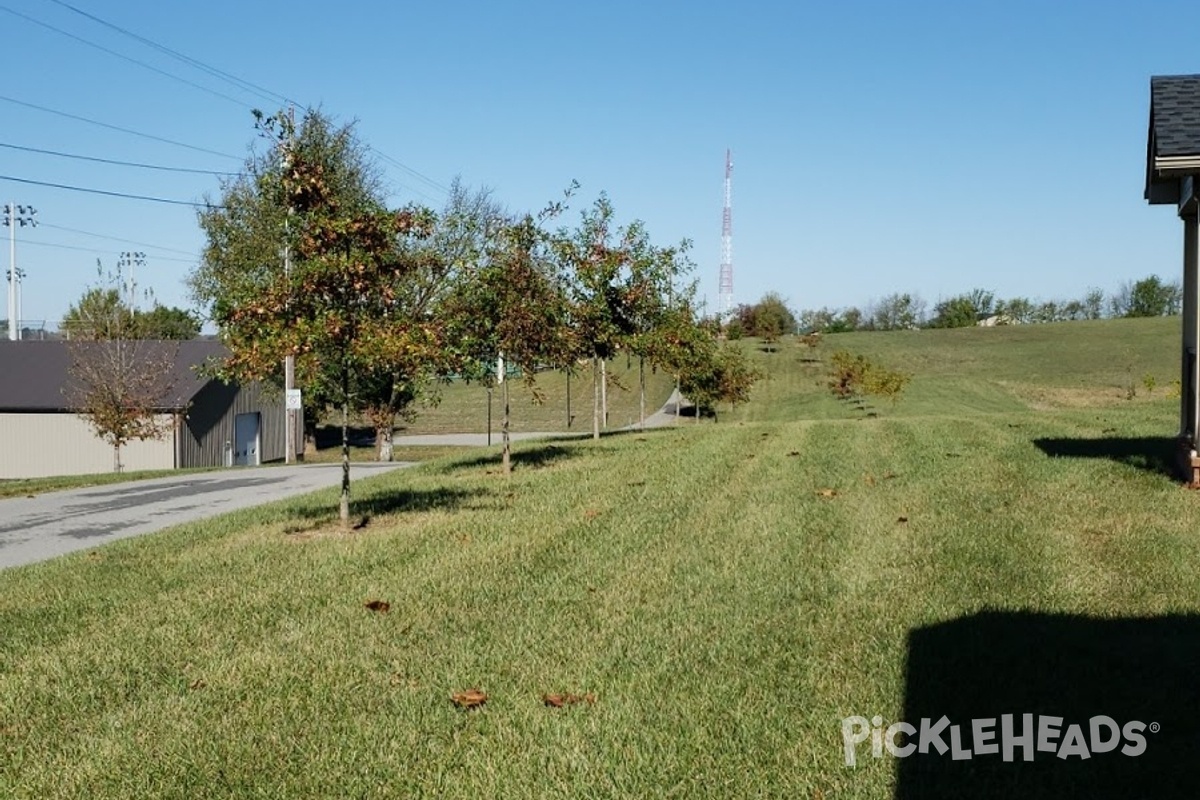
[51, 524]
[659, 419]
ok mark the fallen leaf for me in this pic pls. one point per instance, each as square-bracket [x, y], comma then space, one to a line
[869, 480]
[902, 519]
[794, 453]
[382, 606]
[30, 496]
[199, 683]
[637, 483]
[889, 476]
[827, 492]
[591, 513]
[471, 698]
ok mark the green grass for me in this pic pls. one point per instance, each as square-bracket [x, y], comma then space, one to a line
[725, 613]
[21, 487]
[463, 407]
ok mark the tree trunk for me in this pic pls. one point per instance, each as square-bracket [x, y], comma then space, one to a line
[604, 393]
[383, 443]
[116, 458]
[344, 503]
[489, 418]
[595, 397]
[568, 399]
[506, 459]
[642, 391]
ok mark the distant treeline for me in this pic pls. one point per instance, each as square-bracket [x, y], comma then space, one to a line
[771, 317]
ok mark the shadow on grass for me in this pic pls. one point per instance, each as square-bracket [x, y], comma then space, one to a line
[1151, 453]
[525, 457]
[994, 663]
[390, 501]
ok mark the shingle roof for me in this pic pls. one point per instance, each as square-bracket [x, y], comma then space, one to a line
[34, 375]
[1175, 115]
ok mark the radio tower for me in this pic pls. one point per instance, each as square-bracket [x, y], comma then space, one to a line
[725, 297]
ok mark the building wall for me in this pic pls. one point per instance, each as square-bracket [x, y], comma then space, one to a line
[210, 423]
[38, 445]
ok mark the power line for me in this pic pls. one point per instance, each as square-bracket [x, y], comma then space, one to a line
[115, 238]
[240, 83]
[117, 128]
[124, 57]
[108, 193]
[430, 181]
[94, 250]
[116, 162]
[265, 94]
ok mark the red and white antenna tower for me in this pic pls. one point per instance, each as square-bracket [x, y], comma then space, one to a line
[725, 297]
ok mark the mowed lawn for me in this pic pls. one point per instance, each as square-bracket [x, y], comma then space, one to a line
[1004, 540]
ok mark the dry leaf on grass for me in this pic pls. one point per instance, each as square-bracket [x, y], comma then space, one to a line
[382, 606]
[591, 513]
[869, 480]
[902, 519]
[560, 700]
[888, 476]
[470, 698]
[794, 453]
[827, 492]
[199, 683]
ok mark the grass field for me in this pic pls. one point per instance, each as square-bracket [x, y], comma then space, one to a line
[1006, 539]
[463, 407]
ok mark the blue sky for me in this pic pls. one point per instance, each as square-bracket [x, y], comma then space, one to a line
[878, 147]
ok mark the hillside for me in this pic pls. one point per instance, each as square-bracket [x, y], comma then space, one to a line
[719, 596]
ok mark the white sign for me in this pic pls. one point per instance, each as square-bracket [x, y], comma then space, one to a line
[293, 400]
[500, 369]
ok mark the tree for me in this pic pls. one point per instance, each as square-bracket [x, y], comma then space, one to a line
[101, 313]
[1152, 298]
[1093, 304]
[773, 319]
[339, 309]
[956, 312]
[898, 312]
[603, 267]
[167, 322]
[512, 308]
[119, 384]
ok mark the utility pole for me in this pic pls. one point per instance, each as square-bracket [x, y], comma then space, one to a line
[289, 362]
[15, 216]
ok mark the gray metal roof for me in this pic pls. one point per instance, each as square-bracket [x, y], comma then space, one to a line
[1175, 115]
[36, 376]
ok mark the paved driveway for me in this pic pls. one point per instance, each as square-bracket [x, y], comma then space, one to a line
[51, 524]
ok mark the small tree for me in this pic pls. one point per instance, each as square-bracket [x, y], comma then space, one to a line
[340, 309]
[117, 383]
[512, 308]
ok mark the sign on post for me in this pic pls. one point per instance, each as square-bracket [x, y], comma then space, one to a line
[294, 402]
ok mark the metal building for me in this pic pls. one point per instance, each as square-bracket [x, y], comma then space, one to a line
[208, 423]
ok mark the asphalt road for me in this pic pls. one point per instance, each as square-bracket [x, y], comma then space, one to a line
[55, 523]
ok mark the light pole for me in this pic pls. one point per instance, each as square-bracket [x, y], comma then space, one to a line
[131, 260]
[15, 216]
